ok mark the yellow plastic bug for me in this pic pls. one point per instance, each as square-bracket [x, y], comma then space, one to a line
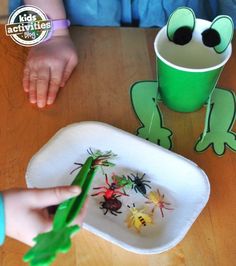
[137, 218]
[158, 200]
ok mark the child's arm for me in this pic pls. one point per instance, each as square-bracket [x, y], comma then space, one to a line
[54, 9]
[50, 63]
[26, 213]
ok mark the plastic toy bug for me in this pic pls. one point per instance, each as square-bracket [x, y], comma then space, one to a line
[111, 204]
[109, 191]
[139, 184]
[122, 181]
[137, 218]
[99, 159]
[102, 159]
[158, 200]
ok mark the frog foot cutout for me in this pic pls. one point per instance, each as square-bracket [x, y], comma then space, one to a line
[144, 101]
[49, 244]
[220, 118]
[218, 141]
[160, 137]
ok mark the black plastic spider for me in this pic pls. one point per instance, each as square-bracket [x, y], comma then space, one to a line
[139, 183]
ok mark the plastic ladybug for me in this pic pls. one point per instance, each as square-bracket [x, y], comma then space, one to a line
[111, 204]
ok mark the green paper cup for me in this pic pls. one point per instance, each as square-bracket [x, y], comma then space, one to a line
[188, 73]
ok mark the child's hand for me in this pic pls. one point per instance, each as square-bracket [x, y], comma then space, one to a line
[48, 67]
[26, 210]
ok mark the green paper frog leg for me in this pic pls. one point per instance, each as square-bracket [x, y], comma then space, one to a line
[143, 96]
[49, 244]
[220, 123]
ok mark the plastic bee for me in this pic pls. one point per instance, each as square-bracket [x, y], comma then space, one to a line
[158, 200]
[137, 218]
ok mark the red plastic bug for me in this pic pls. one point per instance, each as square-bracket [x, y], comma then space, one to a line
[109, 192]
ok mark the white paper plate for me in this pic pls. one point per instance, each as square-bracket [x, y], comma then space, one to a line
[184, 184]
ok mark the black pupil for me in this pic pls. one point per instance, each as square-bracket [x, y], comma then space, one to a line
[211, 37]
[182, 35]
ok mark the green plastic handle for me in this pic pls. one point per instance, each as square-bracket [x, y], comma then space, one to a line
[71, 207]
[79, 201]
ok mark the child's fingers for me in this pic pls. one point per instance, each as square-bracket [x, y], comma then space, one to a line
[42, 86]
[26, 78]
[65, 77]
[42, 198]
[54, 84]
[68, 70]
[32, 87]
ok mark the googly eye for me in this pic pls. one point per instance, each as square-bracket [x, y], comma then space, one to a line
[211, 37]
[182, 35]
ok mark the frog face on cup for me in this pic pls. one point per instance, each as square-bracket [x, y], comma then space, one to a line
[194, 44]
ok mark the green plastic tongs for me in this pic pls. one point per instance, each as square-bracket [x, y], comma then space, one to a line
[59, 238]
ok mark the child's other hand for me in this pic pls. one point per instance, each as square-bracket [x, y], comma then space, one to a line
[48, 67]
[26, 211]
